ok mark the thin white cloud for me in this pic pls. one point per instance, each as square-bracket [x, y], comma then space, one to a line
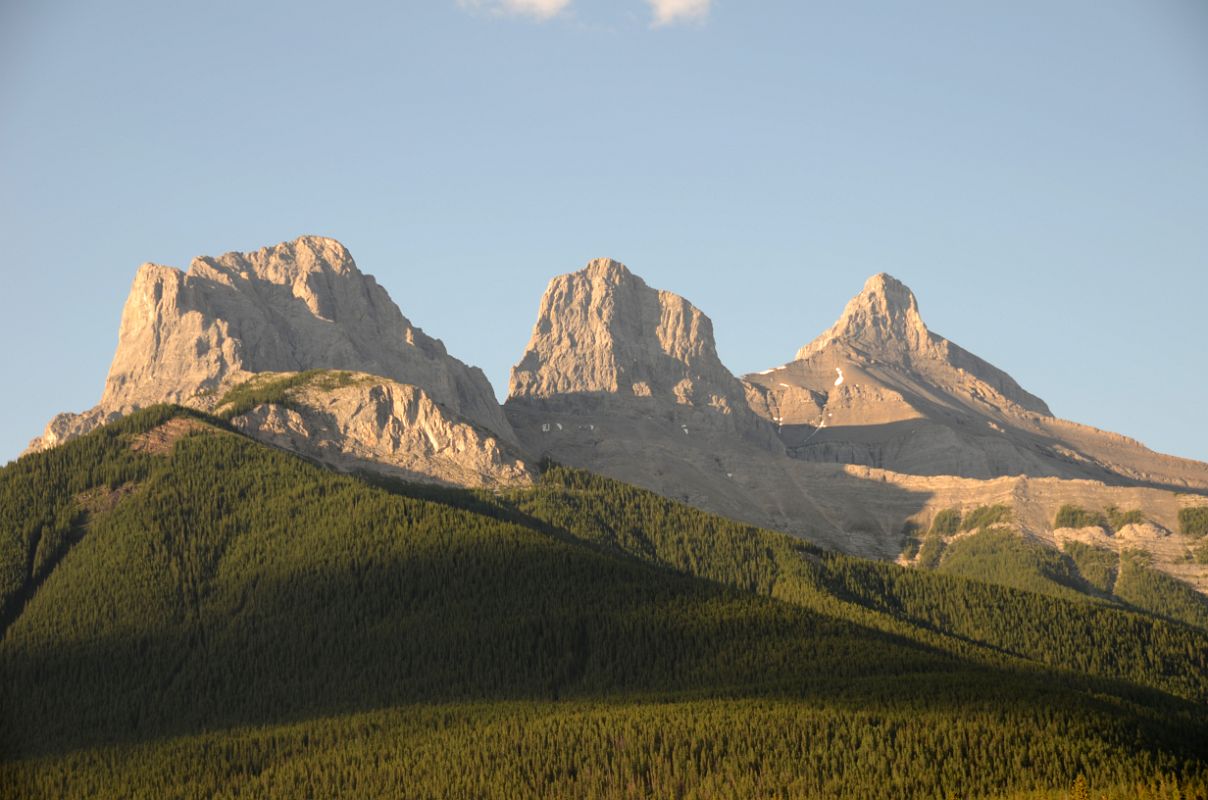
[538, 9]
[668, 12]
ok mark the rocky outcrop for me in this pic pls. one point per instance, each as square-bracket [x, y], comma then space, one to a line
[605, 342]
[186, 337]
[356, 421]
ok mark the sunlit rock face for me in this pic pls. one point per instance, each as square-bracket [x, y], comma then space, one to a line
[360, 422]
[605, 339]
[186, 337]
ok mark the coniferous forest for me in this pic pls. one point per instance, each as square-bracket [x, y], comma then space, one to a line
[198, 615]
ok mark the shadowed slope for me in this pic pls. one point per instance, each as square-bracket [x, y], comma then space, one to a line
[235, 585]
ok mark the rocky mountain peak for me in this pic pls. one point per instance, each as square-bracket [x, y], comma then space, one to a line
[608, 270]
[882, 325]
[316, 270]
[303, 255]
[300, 305]
[883, 318]
[603, 330]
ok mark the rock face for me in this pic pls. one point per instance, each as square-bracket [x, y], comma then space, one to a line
[607, 343]
[880, 389]
[356, 421]
[186, 337]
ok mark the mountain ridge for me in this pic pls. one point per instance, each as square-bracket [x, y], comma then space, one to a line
[879, 425]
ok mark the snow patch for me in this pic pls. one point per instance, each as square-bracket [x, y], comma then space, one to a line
[839, 380]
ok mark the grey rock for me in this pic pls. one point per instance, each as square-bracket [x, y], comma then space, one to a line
[188, 337]
[368, 423]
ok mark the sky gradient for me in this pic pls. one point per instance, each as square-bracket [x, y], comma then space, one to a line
[1037, 172]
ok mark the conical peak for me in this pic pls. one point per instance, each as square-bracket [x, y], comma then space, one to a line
[884, 316]
[890, 293]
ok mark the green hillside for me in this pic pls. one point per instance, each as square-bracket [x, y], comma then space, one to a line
[990, 550]
[187, 613]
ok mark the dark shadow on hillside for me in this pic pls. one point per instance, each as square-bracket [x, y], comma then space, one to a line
[322, 596]
[529, 623]
[525, 621]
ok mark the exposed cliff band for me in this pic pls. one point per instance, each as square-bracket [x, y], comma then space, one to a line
[188, 337]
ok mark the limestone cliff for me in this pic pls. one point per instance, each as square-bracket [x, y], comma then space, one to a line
[185, 337]
[360, 422]
[606, 340]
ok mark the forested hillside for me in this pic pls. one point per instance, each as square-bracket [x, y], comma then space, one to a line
[189, 613]
[973, 619]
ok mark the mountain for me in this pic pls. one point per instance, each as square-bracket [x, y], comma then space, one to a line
[881, 389]
[188, 612]
[876, 430]
[624, 380]
[605, 342]
[191, 337]
[284, 589]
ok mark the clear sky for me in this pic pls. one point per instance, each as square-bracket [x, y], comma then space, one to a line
[1036, 171]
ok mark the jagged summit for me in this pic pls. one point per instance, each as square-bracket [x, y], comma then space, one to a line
[883, 318]
[187, 336]
[604, 330]
[608, 269]
[271, 310]
[281, 263]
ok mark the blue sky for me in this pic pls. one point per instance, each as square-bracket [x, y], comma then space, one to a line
[1036, 171]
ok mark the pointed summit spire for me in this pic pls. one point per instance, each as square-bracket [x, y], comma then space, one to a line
[883, 317]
